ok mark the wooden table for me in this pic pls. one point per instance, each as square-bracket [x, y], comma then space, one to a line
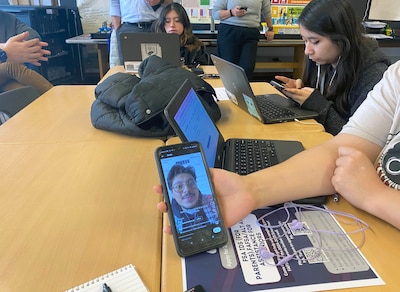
[61, 114]
[75, 202]
[70, 212]
[380, 249]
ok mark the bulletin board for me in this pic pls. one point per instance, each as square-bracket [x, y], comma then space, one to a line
[285, 14]
[383, 10]
[199, 11]
[93, 14]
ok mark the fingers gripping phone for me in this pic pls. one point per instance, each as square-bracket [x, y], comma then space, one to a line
[193, 210]
[278, 86]
[281, 89]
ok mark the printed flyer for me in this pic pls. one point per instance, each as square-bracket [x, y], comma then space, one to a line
[318, 256]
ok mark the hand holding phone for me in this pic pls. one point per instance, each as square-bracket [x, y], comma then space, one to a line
[277, 85]
[193, 210]
[282, 89]
[243, 8]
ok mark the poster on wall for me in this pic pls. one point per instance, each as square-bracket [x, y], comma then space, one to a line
[199, 11]
[293, 2]
[93, 14]
[383, 10]
[285, 14]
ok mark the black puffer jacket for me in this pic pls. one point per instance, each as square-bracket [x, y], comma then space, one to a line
[134, 106]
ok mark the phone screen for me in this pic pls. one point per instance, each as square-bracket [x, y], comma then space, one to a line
[193, 210]
[277, 85]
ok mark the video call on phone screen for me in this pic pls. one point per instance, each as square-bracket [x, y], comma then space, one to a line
[200, 224]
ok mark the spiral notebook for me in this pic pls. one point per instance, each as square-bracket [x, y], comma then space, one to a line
[125, 279]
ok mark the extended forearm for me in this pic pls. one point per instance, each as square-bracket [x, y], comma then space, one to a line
[307, 174]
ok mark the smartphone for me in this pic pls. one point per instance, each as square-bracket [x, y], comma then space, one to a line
[193, 211]
[277, 85]
[281, 89]
[243, 8]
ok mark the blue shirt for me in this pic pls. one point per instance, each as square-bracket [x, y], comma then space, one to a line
[133, 11]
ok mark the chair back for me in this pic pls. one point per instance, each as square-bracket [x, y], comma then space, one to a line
[12, 101]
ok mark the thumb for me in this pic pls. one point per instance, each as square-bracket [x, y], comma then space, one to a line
[299, 83]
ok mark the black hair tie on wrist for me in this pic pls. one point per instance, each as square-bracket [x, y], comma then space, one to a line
[230, 11]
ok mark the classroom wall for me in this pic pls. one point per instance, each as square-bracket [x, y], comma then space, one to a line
[93, 13]
[383, 9]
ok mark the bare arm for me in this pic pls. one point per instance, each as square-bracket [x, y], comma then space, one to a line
[235, 11]
[307, 174]
[269, 35]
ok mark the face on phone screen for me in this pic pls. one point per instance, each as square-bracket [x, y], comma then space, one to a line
[193, 209]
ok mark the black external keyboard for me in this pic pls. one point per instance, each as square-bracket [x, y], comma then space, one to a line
[271, 111]
[253, 155]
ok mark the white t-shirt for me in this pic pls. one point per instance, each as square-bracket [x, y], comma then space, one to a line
[133, 11]
[378, 120]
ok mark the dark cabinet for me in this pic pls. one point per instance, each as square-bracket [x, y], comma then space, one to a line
[55, 25]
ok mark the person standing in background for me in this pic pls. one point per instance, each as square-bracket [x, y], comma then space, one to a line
[239, 30]
[131, 16]
[174, 19]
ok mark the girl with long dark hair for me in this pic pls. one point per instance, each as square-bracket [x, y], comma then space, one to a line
[342, 64]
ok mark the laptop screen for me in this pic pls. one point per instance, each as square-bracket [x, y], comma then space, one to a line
[195, 123]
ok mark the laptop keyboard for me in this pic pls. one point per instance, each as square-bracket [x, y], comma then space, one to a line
[253, 155]
[272, 111]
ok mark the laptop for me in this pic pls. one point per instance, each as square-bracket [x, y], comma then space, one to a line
[267, 108]
[137, 46]
[191, 122]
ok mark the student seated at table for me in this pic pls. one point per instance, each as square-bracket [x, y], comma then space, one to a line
[361, 163]
[174, 19]
[19, 45]
[130, 16]
[342, 64]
